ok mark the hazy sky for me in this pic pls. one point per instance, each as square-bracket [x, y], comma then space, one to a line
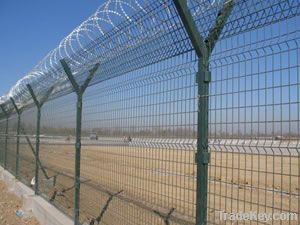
[31, 28]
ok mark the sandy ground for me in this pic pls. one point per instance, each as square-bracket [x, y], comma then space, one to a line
[9, 204]
[152, 182]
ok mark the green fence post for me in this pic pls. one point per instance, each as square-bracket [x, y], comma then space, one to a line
[79, 91]
[39, 105]
[19, 112]
[6, 136]
[203, 48]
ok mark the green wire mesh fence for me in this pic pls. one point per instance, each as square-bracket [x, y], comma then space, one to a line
[254, 123]
[191, 114]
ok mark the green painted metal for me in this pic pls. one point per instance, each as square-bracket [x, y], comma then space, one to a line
[78, 158]
[6, 136]
[39, 105]
[70, 76]
[217, 28]
[202, 145]
[19, 112]
[203, 48]
[79, 91]
[191, 28]
[37, 150]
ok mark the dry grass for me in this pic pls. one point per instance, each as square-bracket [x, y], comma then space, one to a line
[161, 179]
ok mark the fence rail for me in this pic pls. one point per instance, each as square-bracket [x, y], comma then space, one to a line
[180, 111]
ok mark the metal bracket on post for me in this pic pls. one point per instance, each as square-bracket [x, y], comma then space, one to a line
[79, 91]
[203, 158]
[203, 76]
[19, 112]
[6, 136]
[39, 105]
[203, 49]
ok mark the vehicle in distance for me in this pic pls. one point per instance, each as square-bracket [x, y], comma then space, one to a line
[93, 136]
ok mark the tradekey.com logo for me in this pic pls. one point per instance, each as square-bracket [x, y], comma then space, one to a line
[255, 216]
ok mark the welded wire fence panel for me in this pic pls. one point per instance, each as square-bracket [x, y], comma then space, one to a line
[27, 146]
[58, 123]
[139, 145]
[254, 124]
[12, 143]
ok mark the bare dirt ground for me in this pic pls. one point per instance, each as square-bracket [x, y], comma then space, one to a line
[9, 204]
[133, 185]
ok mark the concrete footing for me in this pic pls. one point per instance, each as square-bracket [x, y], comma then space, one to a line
[43, 211]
